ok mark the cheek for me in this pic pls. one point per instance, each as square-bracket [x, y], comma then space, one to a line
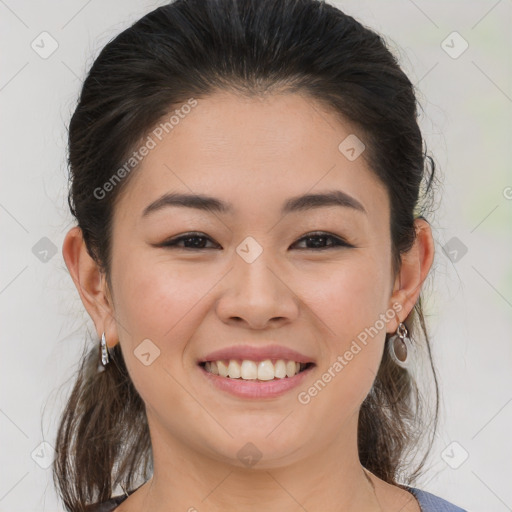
[351, 304]
[160, 303]
[155, 298]
[349, 297]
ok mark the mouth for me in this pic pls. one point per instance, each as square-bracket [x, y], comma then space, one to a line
[248, 370]
[248, 379]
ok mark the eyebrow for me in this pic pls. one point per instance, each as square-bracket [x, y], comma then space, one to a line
[295, 204]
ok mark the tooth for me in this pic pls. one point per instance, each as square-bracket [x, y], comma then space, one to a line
[213, 368]
[252, 370]
[280, 369]
[233, 369]
[290, 368]
[266, 370]
[223, 369]
[248, 370]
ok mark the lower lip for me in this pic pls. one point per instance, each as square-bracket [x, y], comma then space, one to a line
[256, 388]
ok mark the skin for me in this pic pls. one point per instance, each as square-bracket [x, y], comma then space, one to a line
[254, 153]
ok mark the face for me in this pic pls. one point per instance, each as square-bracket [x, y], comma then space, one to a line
[309, 279]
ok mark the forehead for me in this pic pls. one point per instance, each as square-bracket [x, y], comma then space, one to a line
[254, 153]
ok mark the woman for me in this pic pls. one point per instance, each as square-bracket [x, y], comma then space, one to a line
[248, 178]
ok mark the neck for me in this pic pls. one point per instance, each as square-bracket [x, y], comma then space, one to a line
[328, 477]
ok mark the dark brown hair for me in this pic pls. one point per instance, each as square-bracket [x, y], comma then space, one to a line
[193, 48]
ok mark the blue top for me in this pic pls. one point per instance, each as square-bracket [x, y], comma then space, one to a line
[428, 502]
[431, 503]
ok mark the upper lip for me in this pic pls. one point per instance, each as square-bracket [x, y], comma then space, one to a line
[258, 353]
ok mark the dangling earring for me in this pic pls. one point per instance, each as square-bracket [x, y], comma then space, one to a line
[401, 348]
[104, 351]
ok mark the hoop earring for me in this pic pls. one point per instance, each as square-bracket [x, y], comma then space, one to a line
[401, 348]
[104, 351]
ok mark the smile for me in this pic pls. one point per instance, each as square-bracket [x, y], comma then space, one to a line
[253, 370]
[241, 378]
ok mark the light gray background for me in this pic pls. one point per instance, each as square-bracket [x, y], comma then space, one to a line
[467, 116]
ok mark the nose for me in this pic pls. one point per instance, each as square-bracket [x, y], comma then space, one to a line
[256, 295]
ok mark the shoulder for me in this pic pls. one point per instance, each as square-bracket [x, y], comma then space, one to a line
[431, 503]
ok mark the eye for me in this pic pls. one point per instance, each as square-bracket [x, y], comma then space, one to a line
[197, 241]
[190, 241]
[320, 238]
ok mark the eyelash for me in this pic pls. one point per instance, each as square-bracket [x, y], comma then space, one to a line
[339, 242]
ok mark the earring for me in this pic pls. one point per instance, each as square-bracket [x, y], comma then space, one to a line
[401, 348]
[104, 351]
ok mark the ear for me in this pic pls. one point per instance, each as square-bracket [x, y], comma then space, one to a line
[414, 269]
[91, 285]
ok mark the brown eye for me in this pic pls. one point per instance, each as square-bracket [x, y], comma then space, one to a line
[314, 241]
[324, 241]
[190, 241]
